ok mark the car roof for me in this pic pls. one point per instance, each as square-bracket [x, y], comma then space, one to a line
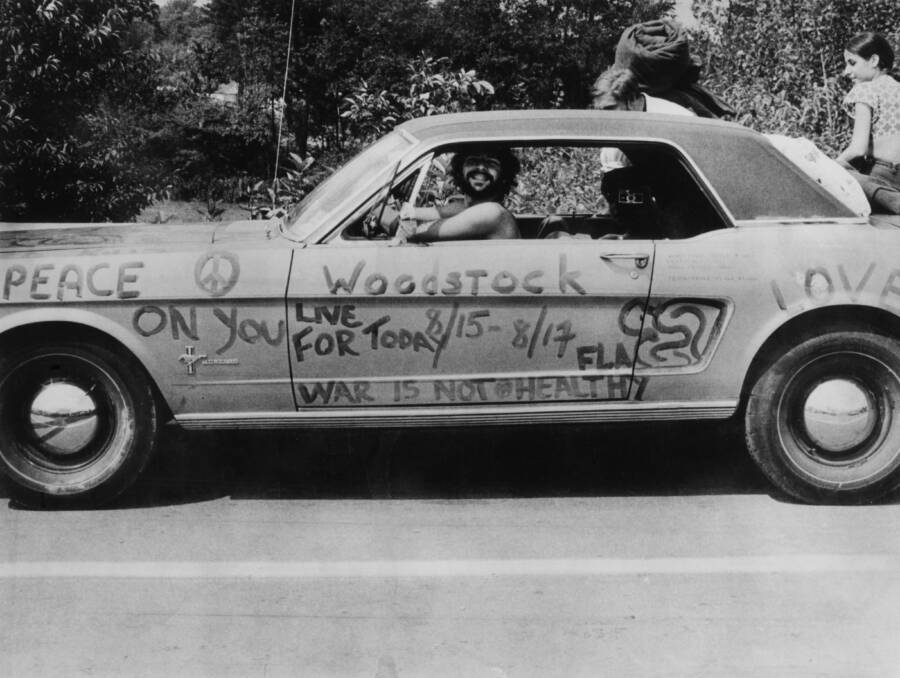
[753, 179]
[575, 122]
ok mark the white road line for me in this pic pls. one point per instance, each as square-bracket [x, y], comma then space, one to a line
[577, 567]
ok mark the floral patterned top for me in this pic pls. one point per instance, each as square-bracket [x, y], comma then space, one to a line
[882, 95]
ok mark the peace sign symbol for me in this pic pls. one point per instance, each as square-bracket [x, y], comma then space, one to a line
[216, 273]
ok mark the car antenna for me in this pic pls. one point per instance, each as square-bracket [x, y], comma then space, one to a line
[287, 64]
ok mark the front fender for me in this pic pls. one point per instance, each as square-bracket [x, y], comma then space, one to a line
[35, 317]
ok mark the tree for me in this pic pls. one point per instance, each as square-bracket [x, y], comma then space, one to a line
[535, 52]
[335, 44]
[72, 75]
[182, 35]
[431, 87]
[539, 53]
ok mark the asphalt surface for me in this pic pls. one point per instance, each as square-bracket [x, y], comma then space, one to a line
[595, 552]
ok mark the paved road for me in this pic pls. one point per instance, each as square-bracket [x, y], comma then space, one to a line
[479, 554]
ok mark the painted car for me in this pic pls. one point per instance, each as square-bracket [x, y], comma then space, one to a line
[713, 279]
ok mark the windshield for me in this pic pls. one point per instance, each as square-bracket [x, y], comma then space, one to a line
[368, 169]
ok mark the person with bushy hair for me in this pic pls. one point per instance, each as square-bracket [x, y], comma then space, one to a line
[873, 153]
[485, 175]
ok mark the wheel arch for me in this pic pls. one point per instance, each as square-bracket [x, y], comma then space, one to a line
[30, 326]
[812, 322]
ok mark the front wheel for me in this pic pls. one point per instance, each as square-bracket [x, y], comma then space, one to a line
[823, 420]
[78, 424]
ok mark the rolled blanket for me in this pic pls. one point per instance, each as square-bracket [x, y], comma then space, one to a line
[659, 54]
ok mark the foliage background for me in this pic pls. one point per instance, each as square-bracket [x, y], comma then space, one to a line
[107, 106]
[779, 62]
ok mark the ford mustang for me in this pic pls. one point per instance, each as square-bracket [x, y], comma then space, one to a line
[703, 275]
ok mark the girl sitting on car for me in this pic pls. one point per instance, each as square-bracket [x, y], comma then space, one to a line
[873, 154]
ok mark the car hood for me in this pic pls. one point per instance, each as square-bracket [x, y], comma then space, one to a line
[19, 237]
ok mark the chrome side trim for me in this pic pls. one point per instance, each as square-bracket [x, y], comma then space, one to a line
[576, 413]
[808, 221]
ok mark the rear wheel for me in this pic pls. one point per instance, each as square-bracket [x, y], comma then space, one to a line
[823, 420]
[78, 423]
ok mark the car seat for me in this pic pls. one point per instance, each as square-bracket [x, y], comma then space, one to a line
[631, 201]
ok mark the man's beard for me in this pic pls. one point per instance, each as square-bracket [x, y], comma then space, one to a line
[486, 183]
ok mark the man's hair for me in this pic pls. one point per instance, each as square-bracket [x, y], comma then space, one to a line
[509, 167]
[869, 43]
[616, 85]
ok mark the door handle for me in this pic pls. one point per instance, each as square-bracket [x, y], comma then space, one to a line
[641, 259]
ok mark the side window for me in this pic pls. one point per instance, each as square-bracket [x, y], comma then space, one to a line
[618, 191]
[654, 185]
[627, 191]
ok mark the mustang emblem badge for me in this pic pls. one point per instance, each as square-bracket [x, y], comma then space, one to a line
[190, 358]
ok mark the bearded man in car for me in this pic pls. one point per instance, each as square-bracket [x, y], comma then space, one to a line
[484, 175]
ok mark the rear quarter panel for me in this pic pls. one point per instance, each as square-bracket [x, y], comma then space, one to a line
[768, 275]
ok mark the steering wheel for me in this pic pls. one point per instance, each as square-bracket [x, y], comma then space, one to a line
[373, 226]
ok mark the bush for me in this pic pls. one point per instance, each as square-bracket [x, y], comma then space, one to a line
[206, 150]
[72, 75]
[779, 63]
[266, 200]
[431, 87]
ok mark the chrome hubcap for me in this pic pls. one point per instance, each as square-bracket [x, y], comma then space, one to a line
[63, 418]
[839, 415]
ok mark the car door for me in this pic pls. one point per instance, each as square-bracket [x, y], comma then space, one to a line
[463, 323]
